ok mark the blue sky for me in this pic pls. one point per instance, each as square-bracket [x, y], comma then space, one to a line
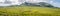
[57, 0]
[57, 3]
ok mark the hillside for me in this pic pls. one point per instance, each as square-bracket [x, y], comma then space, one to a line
[29, 11]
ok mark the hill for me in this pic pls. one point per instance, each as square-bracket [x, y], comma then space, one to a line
[40, 4]
[29, 11]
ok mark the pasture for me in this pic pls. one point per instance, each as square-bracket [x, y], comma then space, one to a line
[29, 11]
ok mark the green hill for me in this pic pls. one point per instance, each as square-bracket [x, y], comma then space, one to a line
[29, 11]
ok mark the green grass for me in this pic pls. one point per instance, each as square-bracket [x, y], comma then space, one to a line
[29, 11]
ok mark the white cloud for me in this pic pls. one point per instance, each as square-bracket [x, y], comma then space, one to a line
[57, 4]
[1, 0]
[51, 1]
[34, 1]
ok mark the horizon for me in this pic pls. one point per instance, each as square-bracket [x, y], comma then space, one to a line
[55, 3]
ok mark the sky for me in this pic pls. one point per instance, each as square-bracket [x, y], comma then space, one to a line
[55, 3]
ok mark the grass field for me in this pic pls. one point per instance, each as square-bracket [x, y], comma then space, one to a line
[29, 11]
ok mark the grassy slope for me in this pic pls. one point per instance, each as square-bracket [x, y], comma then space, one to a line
[29, 11]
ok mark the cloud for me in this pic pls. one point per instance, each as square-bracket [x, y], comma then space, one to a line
[34, 1]
[1, 0]
[53, 2]
[56, 4]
